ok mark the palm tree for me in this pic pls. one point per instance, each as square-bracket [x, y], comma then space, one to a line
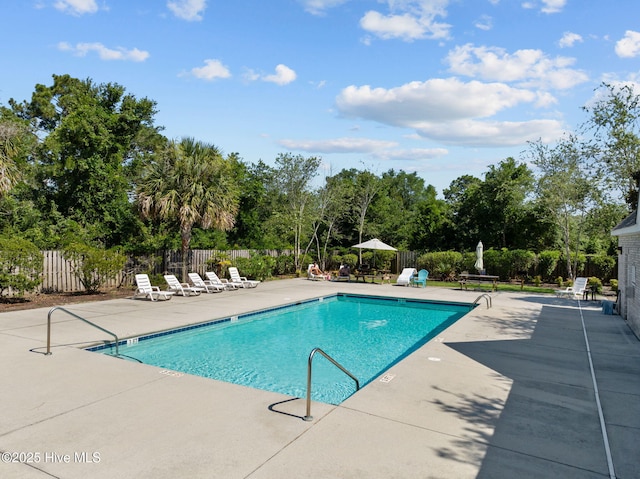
[190, 182]
[10, 143]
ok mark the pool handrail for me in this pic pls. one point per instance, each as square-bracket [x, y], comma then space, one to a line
[308, 416]
[48, 353]
[487, 298]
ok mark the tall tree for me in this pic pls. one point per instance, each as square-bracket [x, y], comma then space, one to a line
[502, 206]
[332, 204]
[254, 227]
[192, 184]
[565, 190]
[90, 133]
[293, 176]
[14, 141]
[615, 120]
[431, 224]
[394, 210]
[366, 188]
[463, 200]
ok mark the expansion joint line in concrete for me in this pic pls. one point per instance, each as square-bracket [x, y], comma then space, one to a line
[603, 426]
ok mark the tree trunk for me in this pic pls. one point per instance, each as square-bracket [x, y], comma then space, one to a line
[185, 236]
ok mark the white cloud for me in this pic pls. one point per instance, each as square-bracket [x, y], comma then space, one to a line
[553, 6]
[338, 145]
[76, 7]
[378, 149]
[408, 20]
[629, 46]
[211, 70]
[120, 53]
[569, 39]
[283, 75]
[412, 154]
[527, 67]
[449, 110]
[190, 10]
[433, 100]
[485, 22]
[318, 7]
[491, 133]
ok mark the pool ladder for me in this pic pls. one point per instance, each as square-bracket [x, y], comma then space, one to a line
[308, 416]
[487, 298]
[48, 353]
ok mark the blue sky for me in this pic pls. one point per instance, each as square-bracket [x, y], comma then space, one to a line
[440, 87]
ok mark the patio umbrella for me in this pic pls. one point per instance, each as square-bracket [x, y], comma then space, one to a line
[374, 244]
[479, 263]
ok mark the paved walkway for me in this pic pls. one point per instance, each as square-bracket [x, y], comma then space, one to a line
[506, 392]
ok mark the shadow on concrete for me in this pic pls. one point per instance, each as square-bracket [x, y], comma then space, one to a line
[549, 425]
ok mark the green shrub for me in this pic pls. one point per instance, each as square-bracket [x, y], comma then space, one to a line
[496, 262]
[285, 264]
[367, 258]
[519, 260]
[595, 282]
[383, 259]
[157, 279]
[93, 266]
[468, 262]
[547, 263]
[443, 265]
[350, 260]
[559, 281]
[604, 264]
[258, 266]
[614, 285]
[218, 263]
[20, 266]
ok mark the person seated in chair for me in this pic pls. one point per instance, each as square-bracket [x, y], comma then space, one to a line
[316, 271]
[345, 271]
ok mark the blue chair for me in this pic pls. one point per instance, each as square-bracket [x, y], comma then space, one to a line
[423, 274]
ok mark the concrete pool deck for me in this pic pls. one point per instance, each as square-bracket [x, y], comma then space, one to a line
[504, 392]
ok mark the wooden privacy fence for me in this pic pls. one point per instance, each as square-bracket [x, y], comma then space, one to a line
[58, 275]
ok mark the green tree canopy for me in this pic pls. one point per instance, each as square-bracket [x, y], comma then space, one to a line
[191, 184]
[90, 134]
[615, 120]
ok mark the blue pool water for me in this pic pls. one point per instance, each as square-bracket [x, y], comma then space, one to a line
[270, 350]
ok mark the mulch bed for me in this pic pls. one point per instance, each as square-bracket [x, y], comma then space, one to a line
[49, 300]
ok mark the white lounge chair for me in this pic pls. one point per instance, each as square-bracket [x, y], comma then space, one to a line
[145, 290]
[241, 280]
[576, 291]
[405, 277]
[224, 282]
[206, 285]
[182, 289]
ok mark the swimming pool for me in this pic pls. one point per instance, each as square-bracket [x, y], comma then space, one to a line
[269, 349]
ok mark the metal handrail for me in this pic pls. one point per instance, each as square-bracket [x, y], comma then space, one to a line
[487, 298]
[48, 353]
[309, 417]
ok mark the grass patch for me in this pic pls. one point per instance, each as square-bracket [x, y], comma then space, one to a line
[501, 287]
